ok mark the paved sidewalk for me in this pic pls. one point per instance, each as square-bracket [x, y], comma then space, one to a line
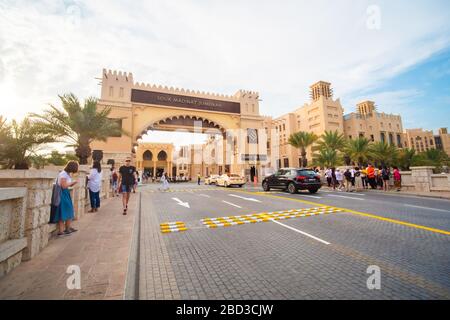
[100, 248]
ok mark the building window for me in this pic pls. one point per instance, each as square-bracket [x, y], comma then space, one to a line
[391, 138]
[121, 92]
[252, 136]
[372, 137]
[431, 142]
[111, 91]
[286, 162]
[279, 163]
[361, 134]
[350, 137]
[399, 141]
[284, 127]
[268, 144]
[382, 137]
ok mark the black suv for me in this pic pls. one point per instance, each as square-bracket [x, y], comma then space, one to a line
[292, 180]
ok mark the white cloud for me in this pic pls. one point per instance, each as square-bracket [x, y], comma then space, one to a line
[276, 48]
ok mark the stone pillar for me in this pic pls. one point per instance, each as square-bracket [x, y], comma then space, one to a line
[421, 178]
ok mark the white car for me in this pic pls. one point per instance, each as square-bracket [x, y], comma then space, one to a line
[212, 179]
[227, 180]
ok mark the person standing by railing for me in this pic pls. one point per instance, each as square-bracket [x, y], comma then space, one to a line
[64, 213]
[397, 179]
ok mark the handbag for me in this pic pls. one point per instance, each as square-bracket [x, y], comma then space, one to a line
[56, 200]
[56, 194]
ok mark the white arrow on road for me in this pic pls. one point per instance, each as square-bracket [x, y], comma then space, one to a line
[181, 203]
[248, 199]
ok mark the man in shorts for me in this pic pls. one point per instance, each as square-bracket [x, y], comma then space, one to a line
[127, 179]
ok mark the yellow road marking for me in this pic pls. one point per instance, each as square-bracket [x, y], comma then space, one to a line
[369, 215]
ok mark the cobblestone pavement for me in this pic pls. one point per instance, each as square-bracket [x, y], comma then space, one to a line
[273, 261]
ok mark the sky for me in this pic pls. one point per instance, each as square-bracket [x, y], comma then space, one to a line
[396, 53]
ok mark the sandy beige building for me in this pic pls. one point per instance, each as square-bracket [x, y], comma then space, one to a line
[321, 114]
[419, 139]
[375, 126]
[443, 140]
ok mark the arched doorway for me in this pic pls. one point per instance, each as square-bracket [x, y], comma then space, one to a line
[147, 163]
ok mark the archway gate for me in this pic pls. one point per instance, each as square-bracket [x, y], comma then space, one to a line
[141, 107]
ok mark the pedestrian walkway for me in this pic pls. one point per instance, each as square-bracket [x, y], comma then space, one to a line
[100, 248]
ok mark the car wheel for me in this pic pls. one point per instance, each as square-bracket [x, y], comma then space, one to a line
[291, 188]
[313, 190]
[265, 186]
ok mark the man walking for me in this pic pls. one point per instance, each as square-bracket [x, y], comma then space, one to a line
[328, 176]
[127, 178]
[198, 179]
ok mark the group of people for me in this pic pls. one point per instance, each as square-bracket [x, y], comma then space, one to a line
[355, 178]
[62, 211]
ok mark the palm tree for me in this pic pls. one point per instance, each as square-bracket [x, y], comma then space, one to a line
[79, 125]
[431, 157]
[358, 150]
[332, 140]
[406, 158]
[21, 142]
[326, 157]
[383, 153]
[302, 140]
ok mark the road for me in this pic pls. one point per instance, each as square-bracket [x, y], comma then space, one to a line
[305, 256]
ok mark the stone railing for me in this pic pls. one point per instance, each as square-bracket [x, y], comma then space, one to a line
[38, 184]
[12, 227]
[25, 195]
[423, 180]
[440, 182]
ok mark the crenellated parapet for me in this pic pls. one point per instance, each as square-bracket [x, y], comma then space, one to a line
[182, 91]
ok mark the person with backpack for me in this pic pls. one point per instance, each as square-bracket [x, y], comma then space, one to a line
[348, 180]
[385, 173]
[371, 176]
[397, 179]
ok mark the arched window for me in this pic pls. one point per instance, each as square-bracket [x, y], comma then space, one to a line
[147, 155]
[162, 156]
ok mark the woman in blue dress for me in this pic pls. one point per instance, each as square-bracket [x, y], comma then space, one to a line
[64, 213]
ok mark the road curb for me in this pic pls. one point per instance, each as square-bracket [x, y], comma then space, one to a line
[131, 291]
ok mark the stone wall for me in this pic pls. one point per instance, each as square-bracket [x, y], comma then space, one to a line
[25, 197]
[37, 213]
[12, 225]
[423, 180]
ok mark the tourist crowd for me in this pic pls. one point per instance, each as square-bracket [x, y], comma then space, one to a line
[356, 178]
